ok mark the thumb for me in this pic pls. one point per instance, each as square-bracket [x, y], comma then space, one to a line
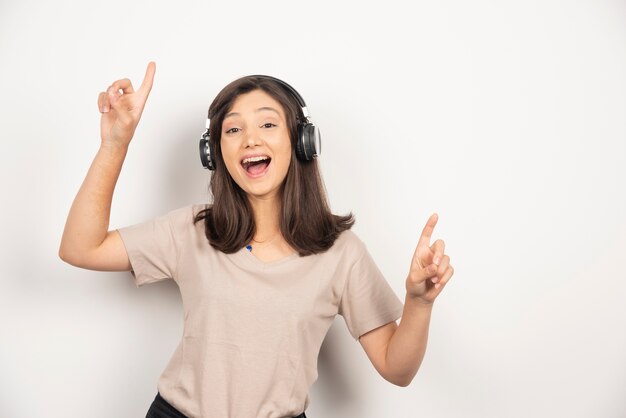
[429, 271]
[422, 274]
[121, 107]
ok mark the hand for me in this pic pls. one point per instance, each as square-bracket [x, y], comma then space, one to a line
[121, 111]
[430, 268]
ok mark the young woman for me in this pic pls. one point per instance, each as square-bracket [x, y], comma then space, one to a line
[263, 269]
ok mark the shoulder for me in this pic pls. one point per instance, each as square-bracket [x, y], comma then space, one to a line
[348, 245]
[183, 217]
[197, 208]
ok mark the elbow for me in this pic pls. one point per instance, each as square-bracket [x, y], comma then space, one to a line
[68, 256]
[63, 256]
[63, 249]
[402, 381]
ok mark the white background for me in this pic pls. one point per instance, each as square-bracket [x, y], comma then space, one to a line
[508, 119]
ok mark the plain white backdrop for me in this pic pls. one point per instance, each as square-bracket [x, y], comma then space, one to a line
[508, 119]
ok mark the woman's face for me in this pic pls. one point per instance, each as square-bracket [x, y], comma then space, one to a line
[255, 144]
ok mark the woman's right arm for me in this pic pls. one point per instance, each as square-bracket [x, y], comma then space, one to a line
[86, 240]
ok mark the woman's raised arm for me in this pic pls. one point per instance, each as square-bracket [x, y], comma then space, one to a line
[86, 241]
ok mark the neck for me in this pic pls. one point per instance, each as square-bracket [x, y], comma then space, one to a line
[266, 217]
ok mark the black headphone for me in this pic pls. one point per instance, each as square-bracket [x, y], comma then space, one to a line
[308, 143]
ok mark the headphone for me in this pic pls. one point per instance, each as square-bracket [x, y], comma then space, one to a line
[308, 143]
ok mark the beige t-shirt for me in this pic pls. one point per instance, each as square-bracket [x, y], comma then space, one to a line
[253, 330]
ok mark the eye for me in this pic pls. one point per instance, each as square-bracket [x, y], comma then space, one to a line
[232, 130]
[268, 125]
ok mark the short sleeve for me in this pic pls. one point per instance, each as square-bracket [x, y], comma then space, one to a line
[368, 301]
[151, 248]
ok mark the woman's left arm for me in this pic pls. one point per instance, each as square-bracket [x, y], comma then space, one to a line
[405, 345]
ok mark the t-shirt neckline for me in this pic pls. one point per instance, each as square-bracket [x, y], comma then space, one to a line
[247, 257]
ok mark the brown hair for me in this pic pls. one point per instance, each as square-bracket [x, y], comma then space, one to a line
[306, 221]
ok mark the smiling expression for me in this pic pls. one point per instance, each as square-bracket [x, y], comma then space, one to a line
[255, 144]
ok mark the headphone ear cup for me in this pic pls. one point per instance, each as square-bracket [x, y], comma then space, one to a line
[309, 144]
[206, 155]
[300, 144]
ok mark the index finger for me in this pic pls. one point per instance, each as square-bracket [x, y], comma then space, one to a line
[427, 232]
[146, 84]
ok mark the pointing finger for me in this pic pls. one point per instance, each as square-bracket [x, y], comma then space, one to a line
[146, 85]
[417, 258]
[427, 232]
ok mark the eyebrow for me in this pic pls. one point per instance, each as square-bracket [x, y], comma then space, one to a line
[256, 111]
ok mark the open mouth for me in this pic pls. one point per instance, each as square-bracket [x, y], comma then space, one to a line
[256, 166]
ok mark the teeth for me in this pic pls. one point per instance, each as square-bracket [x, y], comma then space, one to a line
[253, 159]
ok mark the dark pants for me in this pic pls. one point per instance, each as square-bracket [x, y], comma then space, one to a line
[160, 408]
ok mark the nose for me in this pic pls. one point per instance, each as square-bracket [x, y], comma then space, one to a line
[253, 138]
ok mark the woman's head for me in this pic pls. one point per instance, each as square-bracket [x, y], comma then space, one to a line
[255, 144]
[242, 125]
[238, 116]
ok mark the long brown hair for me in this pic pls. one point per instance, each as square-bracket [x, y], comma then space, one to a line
[306, 221]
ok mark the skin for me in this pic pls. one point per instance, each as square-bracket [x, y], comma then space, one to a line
[396, 351]
[256, 124]
[86, 241]
[252, 127]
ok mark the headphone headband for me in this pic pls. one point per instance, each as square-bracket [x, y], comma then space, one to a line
[291, 89]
